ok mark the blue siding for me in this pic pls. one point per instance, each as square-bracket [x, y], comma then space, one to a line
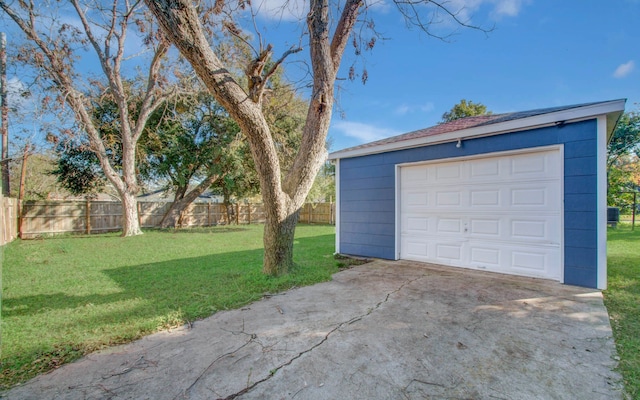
[576, 219]
[367, 193]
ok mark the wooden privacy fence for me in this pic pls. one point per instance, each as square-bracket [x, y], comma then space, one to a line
[8, 219]
[42, 218]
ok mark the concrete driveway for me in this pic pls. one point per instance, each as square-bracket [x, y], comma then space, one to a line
[383, 330]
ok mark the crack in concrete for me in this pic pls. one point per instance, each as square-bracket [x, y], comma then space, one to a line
[140, 363]
[273, 372]
[185, 392]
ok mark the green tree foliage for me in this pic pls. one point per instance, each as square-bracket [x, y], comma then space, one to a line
[623, 163]
[196, 146]
[626, 137]
[324, 187]
[465, 109]
[78, 169]
[187, 142]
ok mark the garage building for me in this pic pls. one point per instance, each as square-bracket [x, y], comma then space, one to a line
[521, 193]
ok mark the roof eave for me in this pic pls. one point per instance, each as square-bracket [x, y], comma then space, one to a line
[612, 109]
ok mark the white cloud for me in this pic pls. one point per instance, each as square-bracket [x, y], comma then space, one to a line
[363, 132]
[282, 10]
[508, 8]
[427, 107]
[466, 9]
[404, 109]
[624, 69]
[18, 96]
[380, 6]
[296, 10]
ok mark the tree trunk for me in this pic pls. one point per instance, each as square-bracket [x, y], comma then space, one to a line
[130, 222]
[282, 200]
[231, 214]
[172, 219]
[278, 244]
[4, 119]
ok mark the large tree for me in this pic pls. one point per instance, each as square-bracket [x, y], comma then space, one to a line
[330, 28]
[100, 34]
[189, 148]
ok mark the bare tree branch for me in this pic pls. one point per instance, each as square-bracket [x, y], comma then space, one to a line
[412, 11]
[151, 99]
[54, 56]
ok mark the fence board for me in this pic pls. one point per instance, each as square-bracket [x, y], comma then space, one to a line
[8, 220]
[42, 218]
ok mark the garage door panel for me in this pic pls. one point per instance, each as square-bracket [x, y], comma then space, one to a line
[534, 229]
[534, 165]
[483, 197]
[432, 227]
[484, 257]
[446, 173]
[417, 249]
[450, 253]
[417, 224]
[530, 197]
[527, 229]
[501, 214]
[448, 198]
[413, 175]
[528, 261]
[537, 229]
[485, 227]
[449, 225]
[416, 198]
[514, 258]
[486, 169]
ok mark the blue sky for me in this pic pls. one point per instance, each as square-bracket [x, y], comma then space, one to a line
[542, 53]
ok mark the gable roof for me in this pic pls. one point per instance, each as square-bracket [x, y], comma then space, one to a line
[488, 125]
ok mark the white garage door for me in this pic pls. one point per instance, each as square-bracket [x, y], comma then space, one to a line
[500, 213]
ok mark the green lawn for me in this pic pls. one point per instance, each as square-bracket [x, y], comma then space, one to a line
[64, 297]
[622, 299]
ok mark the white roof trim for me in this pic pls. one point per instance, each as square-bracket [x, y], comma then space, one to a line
[564, 116]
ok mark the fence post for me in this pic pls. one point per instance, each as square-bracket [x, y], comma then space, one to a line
[633, 214]
[330, 213]
[237, 213]
[249, 212]
[208, 214]
[20, 219]
[88, 216]
[310, 206]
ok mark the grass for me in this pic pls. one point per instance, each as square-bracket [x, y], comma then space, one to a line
[65, 297]
[622, 299]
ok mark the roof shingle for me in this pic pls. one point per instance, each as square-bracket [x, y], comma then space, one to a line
[465, 123]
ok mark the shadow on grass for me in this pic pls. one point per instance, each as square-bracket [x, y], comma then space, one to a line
[221, 280]
[211, 229]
